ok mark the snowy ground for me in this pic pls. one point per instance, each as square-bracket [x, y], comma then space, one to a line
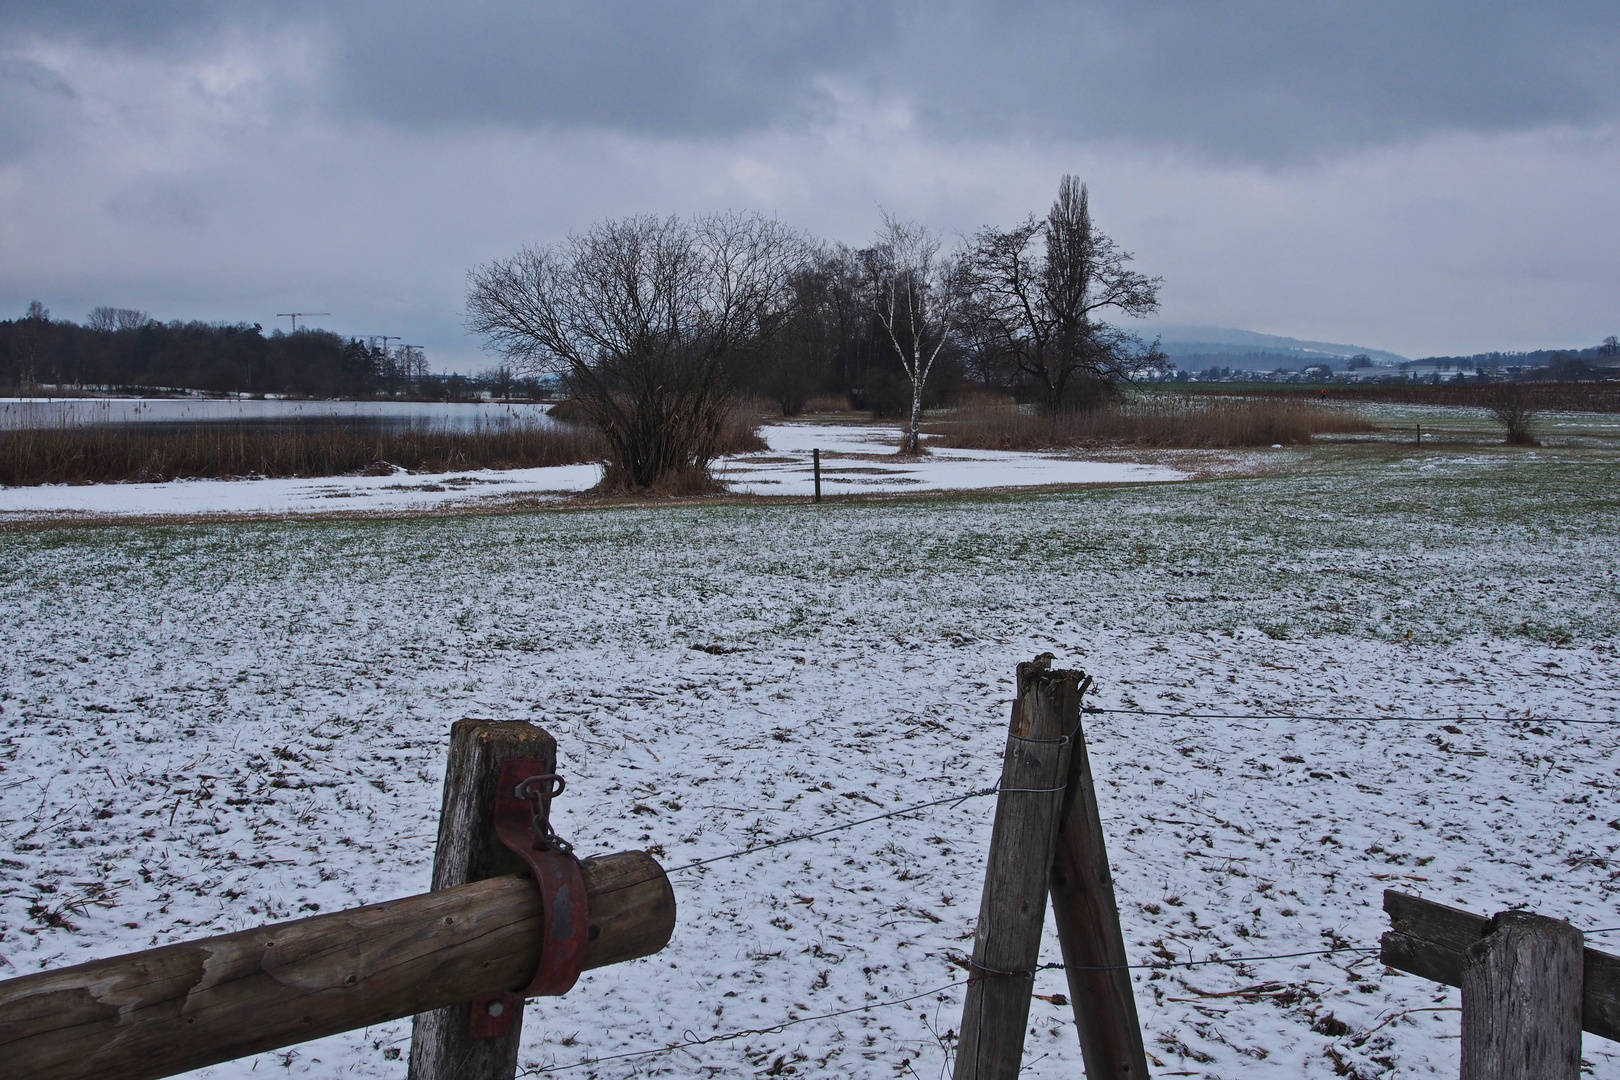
[206, 726]
[401, 492]
[861, 460]
[856, 459]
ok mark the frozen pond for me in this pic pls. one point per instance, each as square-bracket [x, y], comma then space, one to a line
[16, 413]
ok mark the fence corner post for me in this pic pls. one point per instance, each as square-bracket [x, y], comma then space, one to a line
[442, 1045]
[1012, 908]
[1522, 989]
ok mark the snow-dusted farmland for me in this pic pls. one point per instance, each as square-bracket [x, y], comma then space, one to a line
[208, 726]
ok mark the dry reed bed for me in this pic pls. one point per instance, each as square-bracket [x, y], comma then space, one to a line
[1201, 422]
[1598, 397]
[113, 453]
[93, 454]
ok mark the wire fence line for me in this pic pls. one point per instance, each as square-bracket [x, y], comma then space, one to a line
[691, 1040]
[978, 793]
[1187, 714]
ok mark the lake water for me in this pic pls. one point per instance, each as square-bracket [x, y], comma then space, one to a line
[17, 413]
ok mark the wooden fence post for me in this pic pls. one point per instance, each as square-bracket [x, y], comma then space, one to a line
[816, 455]
[1521, 1001]
[1012, 909]
[1087, 917]
[1432, 941]
[442, 1045]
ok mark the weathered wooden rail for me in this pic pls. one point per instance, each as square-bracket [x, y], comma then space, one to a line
[167, 1010]
[1429, 940]
[1529, 985]
[180, 1007]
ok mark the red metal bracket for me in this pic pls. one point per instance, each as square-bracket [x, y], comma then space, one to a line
[523, 795]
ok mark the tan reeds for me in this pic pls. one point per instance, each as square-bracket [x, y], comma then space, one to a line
[105, 453]
[989, 423]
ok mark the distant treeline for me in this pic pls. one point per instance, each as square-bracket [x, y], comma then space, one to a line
[1605, 355]
[123, 349]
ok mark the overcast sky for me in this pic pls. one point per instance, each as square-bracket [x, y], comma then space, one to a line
[1420, 177]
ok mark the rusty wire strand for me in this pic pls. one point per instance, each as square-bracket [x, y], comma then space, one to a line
[795, 838]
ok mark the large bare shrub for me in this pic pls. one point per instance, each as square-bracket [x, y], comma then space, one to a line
[654, 323]
[1514, 410]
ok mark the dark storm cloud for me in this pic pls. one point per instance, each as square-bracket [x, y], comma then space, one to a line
[1257, 79]
[661, 68]
[33, 102]
[129, 23]
[1263, 79]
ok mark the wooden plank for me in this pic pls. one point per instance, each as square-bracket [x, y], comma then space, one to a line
[180, 1007]
[442, 1045]
[1012, 908]
[1521, 1001]
[1600, 1000]
[1429, 939]
[1449, 927]
[1087, 916]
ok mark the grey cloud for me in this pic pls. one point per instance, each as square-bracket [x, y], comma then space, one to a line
[659, 68]
[33, 103]
[1268, 80]
[127, 23]
[161, 203]
[1272, 80]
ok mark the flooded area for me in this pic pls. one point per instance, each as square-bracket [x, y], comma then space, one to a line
[23, 413]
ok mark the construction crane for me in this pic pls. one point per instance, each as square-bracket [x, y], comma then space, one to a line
[296, 315]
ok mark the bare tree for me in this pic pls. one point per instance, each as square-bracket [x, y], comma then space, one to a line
[653, 323]
[109, 319]
[1042, 310]
[918, 304]
[806, 348]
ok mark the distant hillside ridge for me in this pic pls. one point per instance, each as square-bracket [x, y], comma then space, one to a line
[1254, 351]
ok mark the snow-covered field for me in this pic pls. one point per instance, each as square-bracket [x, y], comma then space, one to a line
[207, 726]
